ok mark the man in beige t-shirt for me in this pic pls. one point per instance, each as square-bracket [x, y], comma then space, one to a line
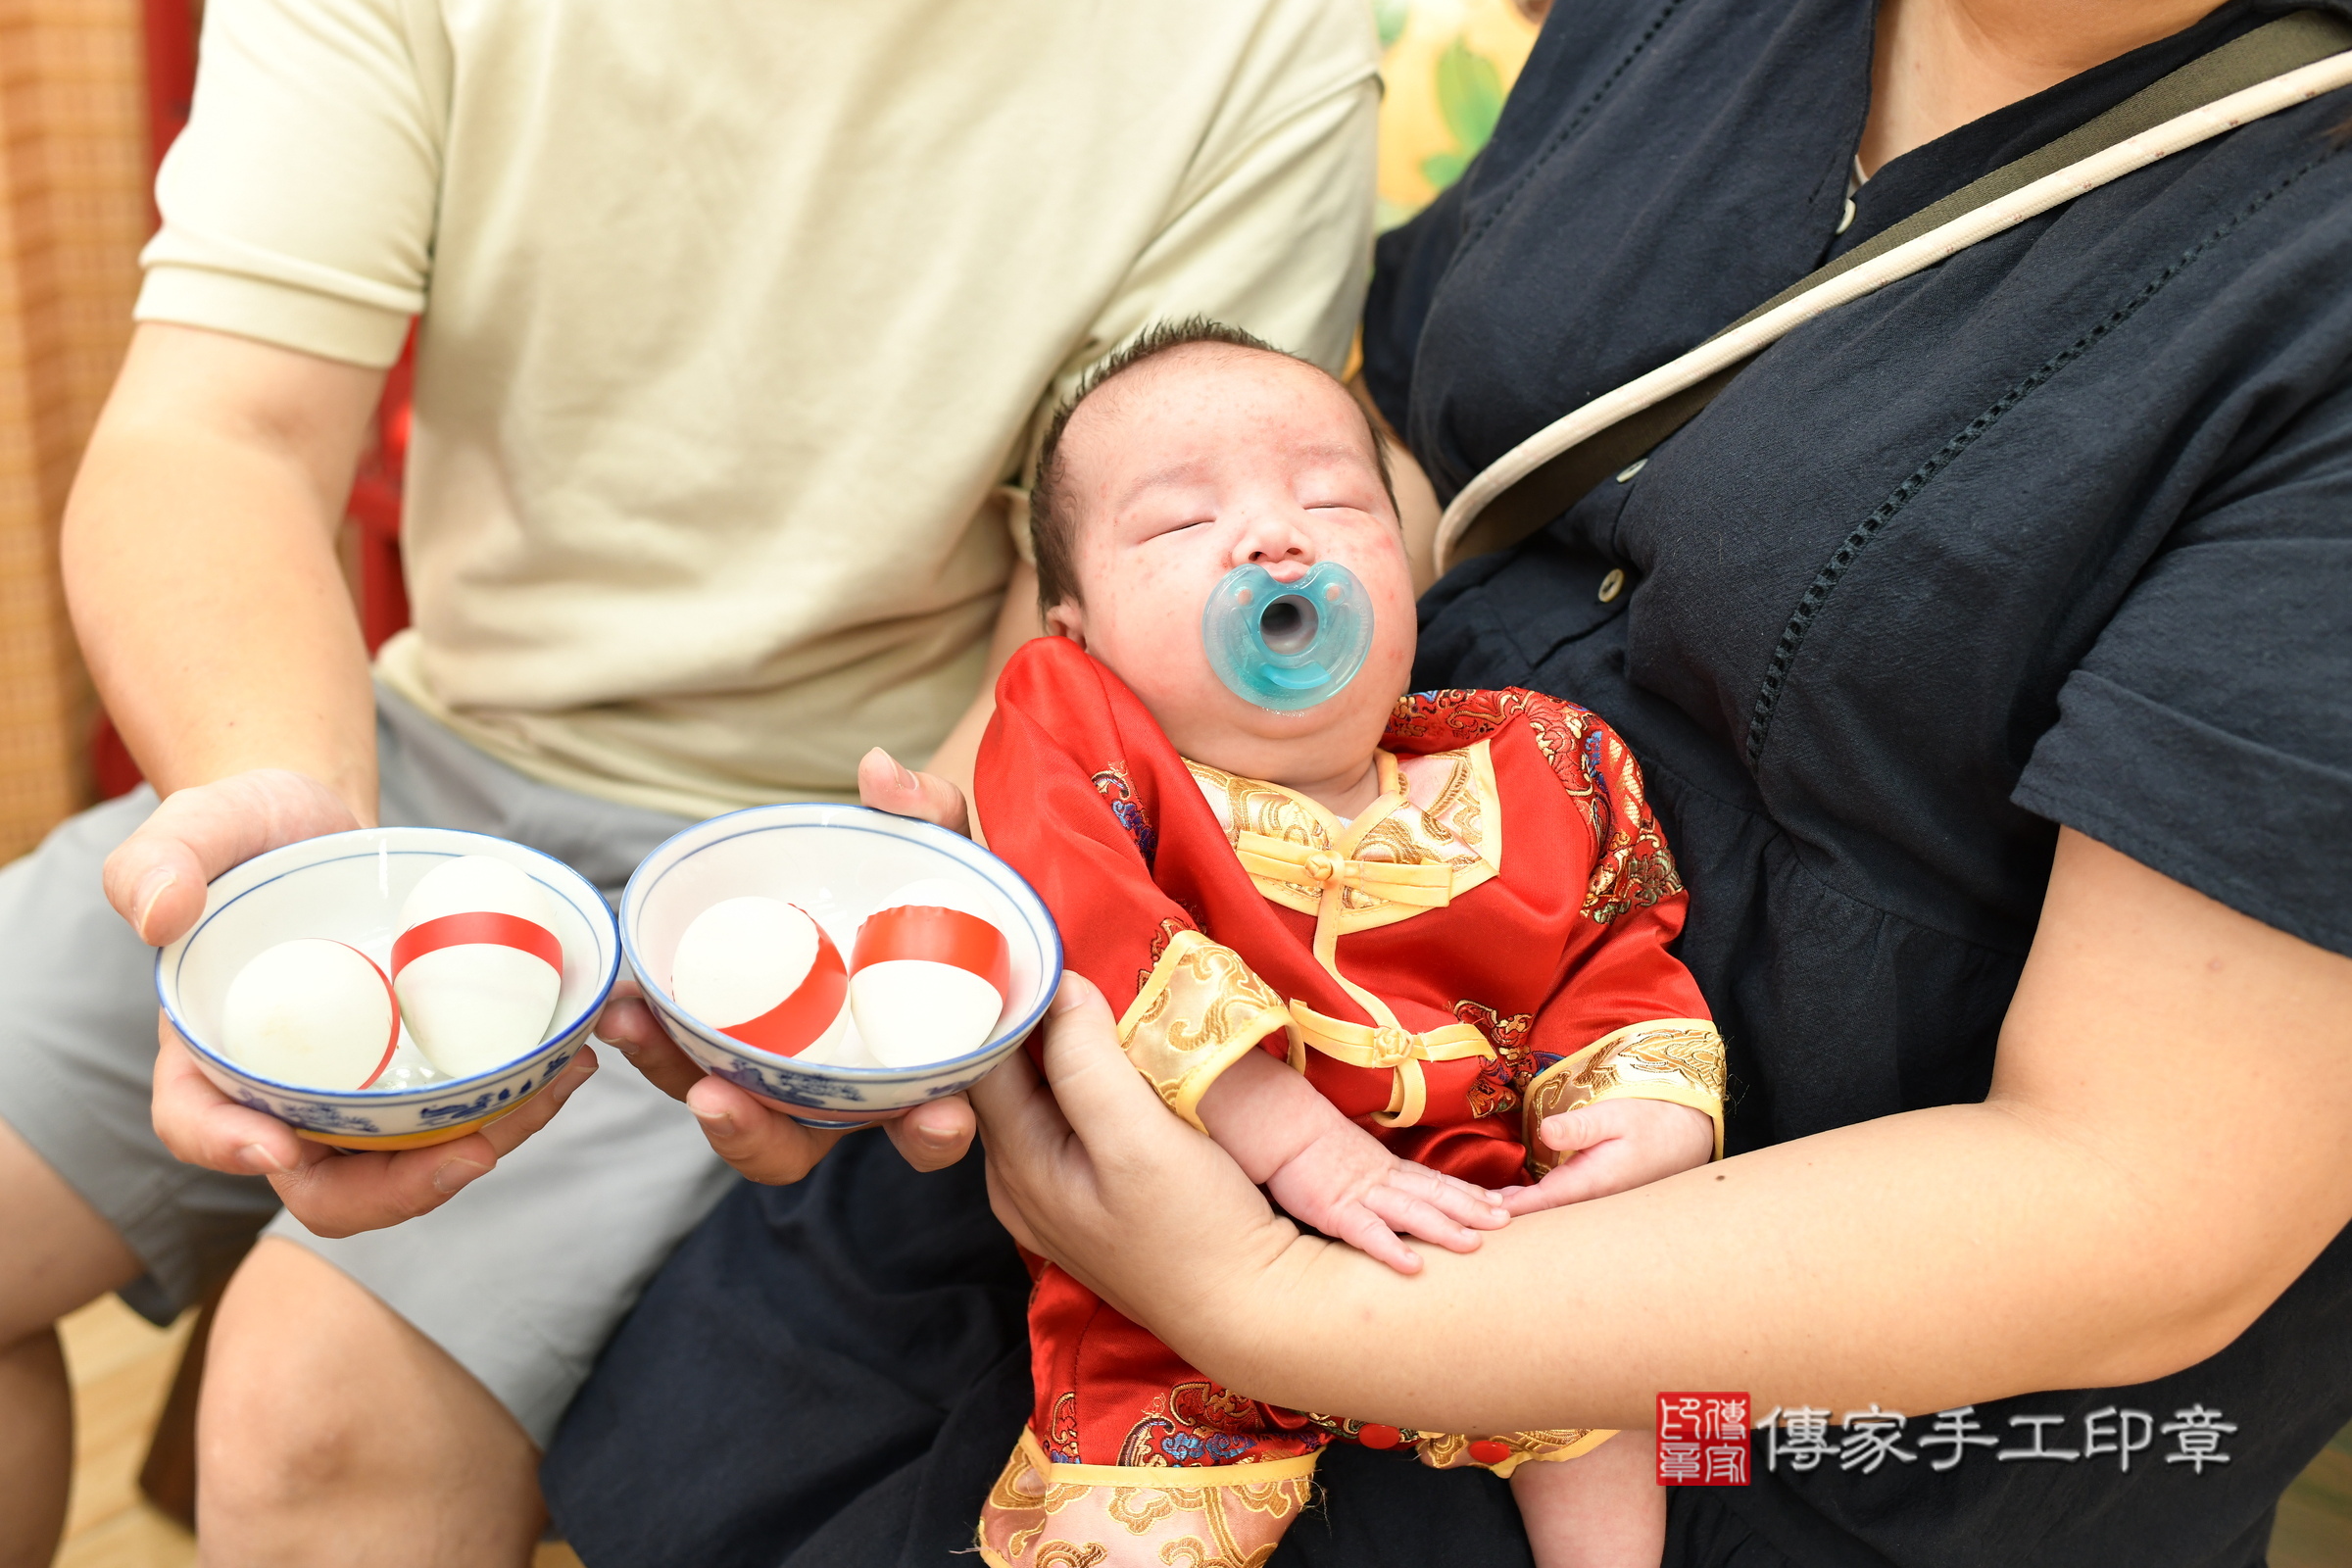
[734, 327]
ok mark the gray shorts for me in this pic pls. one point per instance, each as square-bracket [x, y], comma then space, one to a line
[521, 1277]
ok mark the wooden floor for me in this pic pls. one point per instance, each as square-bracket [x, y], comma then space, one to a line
[123, 1367]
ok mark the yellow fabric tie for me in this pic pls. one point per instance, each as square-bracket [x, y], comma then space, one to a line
[1424, 885]
[1386, 1046]
[1427, 886]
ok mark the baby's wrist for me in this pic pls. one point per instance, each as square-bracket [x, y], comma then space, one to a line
[1256, 1114]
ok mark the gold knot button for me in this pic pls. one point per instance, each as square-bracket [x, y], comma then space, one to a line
[1322, 867]
[1391, 1046]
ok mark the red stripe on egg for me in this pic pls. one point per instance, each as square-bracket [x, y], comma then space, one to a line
[477, 926]
[933, 935]
[792, 1025]
[391, 1001]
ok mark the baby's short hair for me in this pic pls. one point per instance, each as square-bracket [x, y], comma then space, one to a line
[1053, 521]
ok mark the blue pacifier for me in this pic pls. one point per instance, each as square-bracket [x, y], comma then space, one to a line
[1287, 646]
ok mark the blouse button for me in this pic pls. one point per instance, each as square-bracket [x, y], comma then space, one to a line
[1626, 473]
[1612, 585]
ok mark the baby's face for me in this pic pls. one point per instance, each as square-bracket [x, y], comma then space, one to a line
[1210, 457]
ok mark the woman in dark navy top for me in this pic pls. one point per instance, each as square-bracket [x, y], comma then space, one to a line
[1988, 646]
[2050, 542]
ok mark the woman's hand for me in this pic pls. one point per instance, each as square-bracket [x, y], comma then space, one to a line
[1082, 1164]
[758, 1136]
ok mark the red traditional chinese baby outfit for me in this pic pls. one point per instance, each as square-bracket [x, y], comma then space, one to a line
[1481, 947]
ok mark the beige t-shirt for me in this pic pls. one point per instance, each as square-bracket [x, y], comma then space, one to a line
[737, 316]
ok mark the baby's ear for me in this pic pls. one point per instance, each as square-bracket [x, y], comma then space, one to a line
[1067, 621]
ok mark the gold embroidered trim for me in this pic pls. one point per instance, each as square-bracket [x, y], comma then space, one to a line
[1100, 1515]
[1248, 1473]
[1677, 1059]
[1200, 1011]
[1436, 828]
[1452, 1452]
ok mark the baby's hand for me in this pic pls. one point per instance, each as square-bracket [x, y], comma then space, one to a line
[1618, 1144]
[1347, 1186]
[1331, 1173]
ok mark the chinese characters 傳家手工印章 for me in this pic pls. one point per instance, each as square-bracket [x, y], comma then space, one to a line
[1799, 1435]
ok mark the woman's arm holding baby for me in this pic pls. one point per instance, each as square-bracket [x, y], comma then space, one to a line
[2090, 1223]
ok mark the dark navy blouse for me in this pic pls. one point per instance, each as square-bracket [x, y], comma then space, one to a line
[2057, 531]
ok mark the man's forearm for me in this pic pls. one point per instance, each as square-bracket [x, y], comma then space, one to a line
[200, 563]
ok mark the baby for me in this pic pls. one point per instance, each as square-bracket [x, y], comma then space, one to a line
[1376, 946]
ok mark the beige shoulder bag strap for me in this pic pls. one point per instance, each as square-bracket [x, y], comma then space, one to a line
[2276, 66]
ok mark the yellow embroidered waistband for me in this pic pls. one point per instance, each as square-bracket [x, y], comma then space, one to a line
[1247, 1473]
[1385, 1046]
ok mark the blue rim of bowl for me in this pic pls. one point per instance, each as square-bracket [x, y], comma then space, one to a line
[953, 845]
[447, 1087]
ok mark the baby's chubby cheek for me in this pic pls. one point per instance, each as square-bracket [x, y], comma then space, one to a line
[1145, 625]
[1396, 619]
[1396, 632]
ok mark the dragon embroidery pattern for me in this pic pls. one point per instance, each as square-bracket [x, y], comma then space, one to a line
[1118, 793]
[1635, 867]
[1504, 1078]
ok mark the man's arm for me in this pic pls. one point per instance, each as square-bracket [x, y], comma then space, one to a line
[199, 557]
[2162, 1154]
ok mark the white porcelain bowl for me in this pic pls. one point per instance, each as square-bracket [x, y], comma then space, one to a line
[838, 862]
[348, 887]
